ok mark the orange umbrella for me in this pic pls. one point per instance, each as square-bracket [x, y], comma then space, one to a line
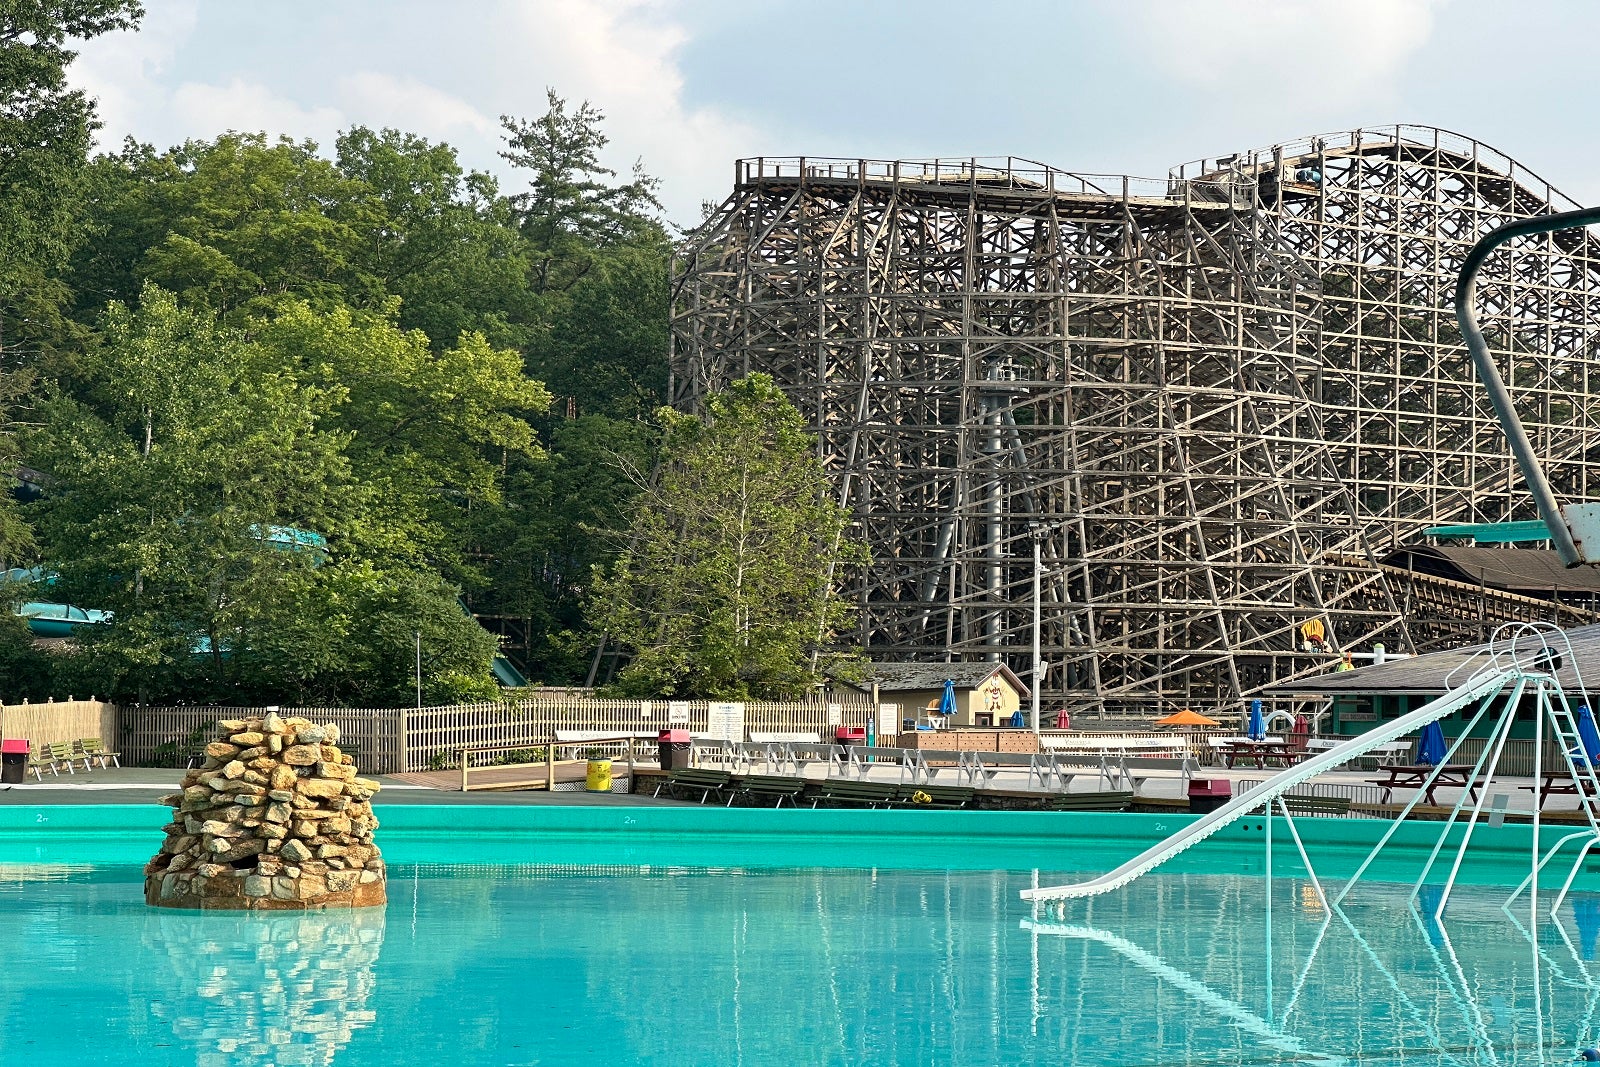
[1187, 718]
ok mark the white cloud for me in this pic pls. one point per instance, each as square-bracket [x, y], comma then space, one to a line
[407, 104]
[248, 107]
[124, 71]
[1333, 51]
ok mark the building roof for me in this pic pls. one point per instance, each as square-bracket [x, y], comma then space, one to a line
[1529, 571]
[1427, 673]
[900, 677]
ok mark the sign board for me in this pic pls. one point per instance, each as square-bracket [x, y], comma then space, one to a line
[835, 714]
[725, 721]
[645, 709]
[888, 720]
[677, 711]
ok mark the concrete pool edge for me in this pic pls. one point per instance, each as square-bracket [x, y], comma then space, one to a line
[497, 835]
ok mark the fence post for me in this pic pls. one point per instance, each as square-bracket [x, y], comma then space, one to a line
[463, 769]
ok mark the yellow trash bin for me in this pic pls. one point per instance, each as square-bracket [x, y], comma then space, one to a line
[598, 780]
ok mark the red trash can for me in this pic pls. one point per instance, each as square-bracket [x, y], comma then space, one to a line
[14, 761]
[672, 750]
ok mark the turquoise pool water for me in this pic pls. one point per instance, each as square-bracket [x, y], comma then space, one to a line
[502, 962]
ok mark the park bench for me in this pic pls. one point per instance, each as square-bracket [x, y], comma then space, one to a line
[706, 781]
[939, 796]
[1105, 800]
[780, 786]
[846, 791]
[1316, 805]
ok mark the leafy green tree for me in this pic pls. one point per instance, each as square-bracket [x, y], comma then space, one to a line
[195, 445]
[428, 432]
[572, 210]
[727, 585]
[448, 246]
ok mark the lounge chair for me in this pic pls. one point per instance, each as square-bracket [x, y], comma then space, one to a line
[847, 791]
[783, 787]
[939, 796]
[64, 753]
[94, 748]
[1109, 800]
[39, 761]
[705, 780]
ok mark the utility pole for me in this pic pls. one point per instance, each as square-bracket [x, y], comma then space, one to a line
[419, 669]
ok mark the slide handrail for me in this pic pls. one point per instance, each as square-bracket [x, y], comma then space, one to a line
[1477, 687]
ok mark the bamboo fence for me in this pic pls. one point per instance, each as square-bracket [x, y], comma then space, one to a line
[59, 720]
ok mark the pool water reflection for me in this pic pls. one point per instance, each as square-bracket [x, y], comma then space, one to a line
[573, 965]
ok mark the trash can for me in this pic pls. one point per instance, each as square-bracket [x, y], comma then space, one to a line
[14, 761]
[845, 736]
[598, 777]
[1208, 794]
[672, 749]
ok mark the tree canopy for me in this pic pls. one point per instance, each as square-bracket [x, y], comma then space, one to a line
[279, 408]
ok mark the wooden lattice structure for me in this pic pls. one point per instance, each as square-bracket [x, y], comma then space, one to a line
[1215, 396]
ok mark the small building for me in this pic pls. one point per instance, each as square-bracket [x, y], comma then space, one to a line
[1361, 699]
[987, 694]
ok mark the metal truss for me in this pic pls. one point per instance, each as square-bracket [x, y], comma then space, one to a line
[1216, 396]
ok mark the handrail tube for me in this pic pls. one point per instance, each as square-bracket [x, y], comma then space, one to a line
[1521, 448]
[1242, 805]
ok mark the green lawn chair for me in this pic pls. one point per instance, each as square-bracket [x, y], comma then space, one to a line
[39, 761]
[94, 748]
[64, 754]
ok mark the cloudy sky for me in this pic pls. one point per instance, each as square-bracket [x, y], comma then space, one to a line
[1102, 86]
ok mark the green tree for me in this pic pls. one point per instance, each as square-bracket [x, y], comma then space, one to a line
[572, 210]
[727, 586]
[172, 478]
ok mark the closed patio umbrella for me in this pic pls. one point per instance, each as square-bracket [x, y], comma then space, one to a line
[1430, 745]
[1588, 734]
[1258, 726]
[947, 703]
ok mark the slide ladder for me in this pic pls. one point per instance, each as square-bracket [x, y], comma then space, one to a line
[1483, 685]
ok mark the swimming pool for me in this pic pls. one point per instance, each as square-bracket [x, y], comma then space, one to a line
[800, 954]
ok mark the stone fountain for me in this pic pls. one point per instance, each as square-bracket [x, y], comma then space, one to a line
[275, 819]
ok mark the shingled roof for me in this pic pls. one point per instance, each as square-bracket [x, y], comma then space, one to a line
[899, 677]
[1426, 674]
[1529, 571]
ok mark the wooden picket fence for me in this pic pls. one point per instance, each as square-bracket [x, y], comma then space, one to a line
[389, 740]
[60, 720]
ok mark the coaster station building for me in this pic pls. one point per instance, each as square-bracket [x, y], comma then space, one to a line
[1219, 401]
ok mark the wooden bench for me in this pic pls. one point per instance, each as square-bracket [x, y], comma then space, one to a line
[780, 786]
[707, 781]
[1106, 800]
[1316, 805]
[844, 791]
[948, 797]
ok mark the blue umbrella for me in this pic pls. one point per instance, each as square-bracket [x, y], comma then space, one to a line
[1258, 727]
[1430, 746]
[1588, 734]
[947, 703]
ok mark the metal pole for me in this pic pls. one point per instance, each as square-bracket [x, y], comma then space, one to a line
[419, 668]
[1038, 660]
[1516, 436]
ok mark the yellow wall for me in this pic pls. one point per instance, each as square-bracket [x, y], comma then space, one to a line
[915, 703]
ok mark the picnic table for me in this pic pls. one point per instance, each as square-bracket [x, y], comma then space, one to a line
[1414, 775]
[1556, 781]
[1260, 751]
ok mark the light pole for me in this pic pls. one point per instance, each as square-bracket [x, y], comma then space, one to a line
[1038, 660]
[419, 670]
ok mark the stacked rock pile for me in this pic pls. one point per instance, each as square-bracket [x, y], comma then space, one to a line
[275, 819]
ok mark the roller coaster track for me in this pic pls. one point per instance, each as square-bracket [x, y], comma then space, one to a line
[1480, 686]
